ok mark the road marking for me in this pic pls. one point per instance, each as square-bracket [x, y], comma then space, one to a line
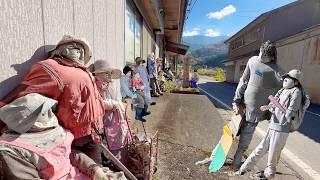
[299, 162]
[218, 100]
[313, 113]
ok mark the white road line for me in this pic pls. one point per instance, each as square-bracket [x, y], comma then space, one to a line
[313, 113]
[218, 100]
[299, 162]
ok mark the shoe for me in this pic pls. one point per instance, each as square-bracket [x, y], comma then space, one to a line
[142, 120]
[161, 94]
[146, 113]
[155, 95]
[153, 103]
[259, 175]
[237, 173]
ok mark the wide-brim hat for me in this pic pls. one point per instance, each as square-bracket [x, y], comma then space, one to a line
[101, 66]
[139, 59]
[30, 112]
[68, 38]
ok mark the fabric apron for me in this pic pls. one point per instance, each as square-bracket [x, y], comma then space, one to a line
[59, 166]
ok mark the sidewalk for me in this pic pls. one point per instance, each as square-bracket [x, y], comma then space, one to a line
[301, 150]
[189, 128]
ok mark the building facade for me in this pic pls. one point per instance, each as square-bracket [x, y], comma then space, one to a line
[117, 30]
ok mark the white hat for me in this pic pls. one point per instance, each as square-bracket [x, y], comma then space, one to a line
[295, 74]
[32, 111]
[68, 38]
[101, 66]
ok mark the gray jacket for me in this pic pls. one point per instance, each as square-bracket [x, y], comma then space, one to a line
[258, 81]
[291, 100]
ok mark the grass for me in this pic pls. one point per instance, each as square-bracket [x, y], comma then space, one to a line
[217, 73]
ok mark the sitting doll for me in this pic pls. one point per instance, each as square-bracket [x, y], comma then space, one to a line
[194, 79]
[179, 78]
[139, 99]
[287, 108]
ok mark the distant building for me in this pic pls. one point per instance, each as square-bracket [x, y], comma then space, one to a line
[294, 29]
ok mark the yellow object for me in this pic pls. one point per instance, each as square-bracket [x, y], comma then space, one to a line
[226, 140]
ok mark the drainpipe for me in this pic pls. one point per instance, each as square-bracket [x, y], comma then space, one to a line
[157, 7]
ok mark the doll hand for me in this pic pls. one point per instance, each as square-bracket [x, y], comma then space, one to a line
[99, 174]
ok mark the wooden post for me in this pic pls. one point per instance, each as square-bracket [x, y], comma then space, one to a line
[186, 71]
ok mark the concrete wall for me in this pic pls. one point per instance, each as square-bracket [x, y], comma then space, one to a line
[28, 28]
[303, 52]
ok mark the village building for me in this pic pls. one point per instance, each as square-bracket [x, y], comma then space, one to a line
[118, 31]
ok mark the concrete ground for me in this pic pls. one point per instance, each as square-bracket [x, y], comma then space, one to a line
[301, 150]
[190, 126]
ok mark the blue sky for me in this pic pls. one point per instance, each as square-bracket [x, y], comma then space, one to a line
[225, 17]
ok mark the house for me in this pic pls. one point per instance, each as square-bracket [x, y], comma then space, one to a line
[299, 18]
[117, 30]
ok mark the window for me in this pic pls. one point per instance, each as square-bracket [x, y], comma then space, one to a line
[133, 31]
[245, 40]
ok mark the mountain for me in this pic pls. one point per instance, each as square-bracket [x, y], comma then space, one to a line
[209, 51]
[210, 55]
[200, 40]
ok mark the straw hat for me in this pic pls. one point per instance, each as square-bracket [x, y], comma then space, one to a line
[101, 66]
[68, 38]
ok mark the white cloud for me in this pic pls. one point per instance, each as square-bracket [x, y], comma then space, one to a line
[212, 33]
[194, 32]
[222, 13]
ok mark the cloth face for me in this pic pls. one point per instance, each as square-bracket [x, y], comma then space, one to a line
[288, 83]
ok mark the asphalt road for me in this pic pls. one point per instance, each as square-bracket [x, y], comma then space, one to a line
[302, 147]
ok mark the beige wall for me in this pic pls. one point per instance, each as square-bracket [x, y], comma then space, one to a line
[148, 41]
[303, 55]
[28, 27]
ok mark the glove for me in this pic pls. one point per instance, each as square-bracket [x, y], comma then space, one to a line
[236, 108]
[104, 173]
[100, 174]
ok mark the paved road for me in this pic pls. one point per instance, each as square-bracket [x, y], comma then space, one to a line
[302, 147]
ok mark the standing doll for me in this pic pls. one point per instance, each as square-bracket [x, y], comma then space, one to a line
[139, 99]
[287, 108]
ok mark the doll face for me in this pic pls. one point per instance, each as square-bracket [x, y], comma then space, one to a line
[136, 76]
[104, 76]
[288, 83]
[264, 58]
[73, 51]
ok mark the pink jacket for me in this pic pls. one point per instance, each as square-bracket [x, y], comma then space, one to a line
[80, 108]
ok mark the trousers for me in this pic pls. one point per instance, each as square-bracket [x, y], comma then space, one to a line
[246, 132]
[273, 143]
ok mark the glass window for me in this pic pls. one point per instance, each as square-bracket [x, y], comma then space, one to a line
[133, 31]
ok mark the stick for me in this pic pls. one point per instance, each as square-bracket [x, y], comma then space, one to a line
[276, 103]
[116, 161]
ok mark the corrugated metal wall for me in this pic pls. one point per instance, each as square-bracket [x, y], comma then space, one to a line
[27, 28]
[303, 55]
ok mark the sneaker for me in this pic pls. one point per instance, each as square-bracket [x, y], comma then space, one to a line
[155, 95]
[238, 173]
[153, 103]
[259, 175]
